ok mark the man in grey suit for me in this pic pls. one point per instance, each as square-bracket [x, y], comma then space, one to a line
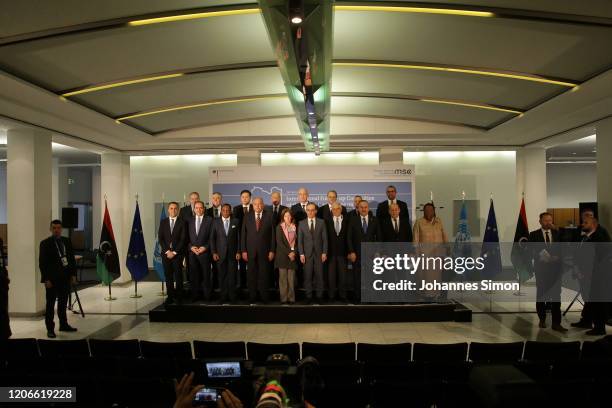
[225, 248]
[312, 247]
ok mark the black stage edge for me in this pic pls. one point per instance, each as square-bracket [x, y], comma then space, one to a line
[334, 313]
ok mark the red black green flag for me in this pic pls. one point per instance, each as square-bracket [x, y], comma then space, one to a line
[107, 261]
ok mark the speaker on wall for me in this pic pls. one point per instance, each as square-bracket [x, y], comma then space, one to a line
[70, 217]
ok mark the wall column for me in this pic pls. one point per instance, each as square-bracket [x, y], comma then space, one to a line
[115, 185]
[531, 181]
[29, 198]
[604, 172]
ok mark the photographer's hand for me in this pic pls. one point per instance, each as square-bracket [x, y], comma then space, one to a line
[185, 392]
[228, 400]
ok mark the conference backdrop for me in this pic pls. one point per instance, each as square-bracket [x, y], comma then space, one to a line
[368, 181]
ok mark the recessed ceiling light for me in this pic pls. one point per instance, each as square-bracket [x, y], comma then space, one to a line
[296, 20]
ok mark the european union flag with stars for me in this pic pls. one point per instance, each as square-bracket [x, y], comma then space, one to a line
[490, 247]
[136, 261]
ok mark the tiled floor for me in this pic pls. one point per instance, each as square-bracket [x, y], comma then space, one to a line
[127, 318]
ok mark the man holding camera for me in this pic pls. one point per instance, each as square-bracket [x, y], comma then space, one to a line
[58, 271]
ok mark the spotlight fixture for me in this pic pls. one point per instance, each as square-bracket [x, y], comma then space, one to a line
[296, 11]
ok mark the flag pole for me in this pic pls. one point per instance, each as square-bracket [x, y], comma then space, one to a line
[518, 278]
[110, 297]
[136, 295]
[162, 293]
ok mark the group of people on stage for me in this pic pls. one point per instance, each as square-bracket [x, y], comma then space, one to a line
[247, 243]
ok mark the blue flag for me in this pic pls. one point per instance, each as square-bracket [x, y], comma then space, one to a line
[157, 258]
[136, 261]
[463, 238]
[490, 247]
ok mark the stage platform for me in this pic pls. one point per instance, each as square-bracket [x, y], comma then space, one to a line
[302, 313]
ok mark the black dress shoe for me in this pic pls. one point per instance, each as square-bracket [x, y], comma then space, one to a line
[596, 332]
[67, 328]
[559, 328]
[51, 334]
[582, 324]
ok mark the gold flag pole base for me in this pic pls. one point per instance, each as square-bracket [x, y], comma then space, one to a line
[135, 296]
[110, 298]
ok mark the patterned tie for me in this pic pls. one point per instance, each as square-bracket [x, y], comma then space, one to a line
[364, 225]
[171, 225]
[395, 226]
[258, 222]
[337, 225]
[226, 225]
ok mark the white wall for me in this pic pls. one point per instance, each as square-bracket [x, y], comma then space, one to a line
[571, 183]
[173, 177]
[447, 174]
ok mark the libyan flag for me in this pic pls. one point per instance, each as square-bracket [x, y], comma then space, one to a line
[107, 261]
[520, 255]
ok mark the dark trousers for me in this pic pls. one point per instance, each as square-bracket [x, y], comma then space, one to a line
[258, 278]
[59, 292]
[173, 270]
[313, 276]
[242, 277]
[5, 328]
[336, 275]
[548, 292]
[228, 271]
[199, 275]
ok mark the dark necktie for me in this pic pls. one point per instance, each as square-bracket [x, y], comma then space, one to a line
[547, 237]
[216, 212]
[395, 226]
[364, 225]
[311, 226]
[275, 211]
[258, 222]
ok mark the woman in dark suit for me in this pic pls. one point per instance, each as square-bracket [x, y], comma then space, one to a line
[286, 256]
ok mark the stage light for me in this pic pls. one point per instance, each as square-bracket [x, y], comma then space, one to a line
[193, 16]
[425, 10]
[472, 71]
[116, 84]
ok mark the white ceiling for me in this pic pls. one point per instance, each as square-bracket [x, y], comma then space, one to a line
[70, 44]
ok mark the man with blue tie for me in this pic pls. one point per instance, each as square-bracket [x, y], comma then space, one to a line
[364, 227]
[199, 228]
[225, 248]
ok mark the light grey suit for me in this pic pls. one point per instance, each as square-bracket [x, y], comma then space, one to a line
[312, 244]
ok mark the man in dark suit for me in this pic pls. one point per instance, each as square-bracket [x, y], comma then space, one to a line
[258, 245]
[362, 228]
[298, 210]
[216, 200]
[58, 271]
[394, 228]
[5, 326]
[239, 212]
[275, 207]
[312, 247]
[355, 211]
[596, 248]
[382, 211]
[337, 228]
[188, 212]
[172, 239]
[225, 248]
[546, 255]
[325, 211]
[199, 229]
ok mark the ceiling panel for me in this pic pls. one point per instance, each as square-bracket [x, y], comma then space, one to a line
[447, 85]
[18, 17]
[559, 50]
[408, 109]
[214, 114]
[188, 89]
[82, 59]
